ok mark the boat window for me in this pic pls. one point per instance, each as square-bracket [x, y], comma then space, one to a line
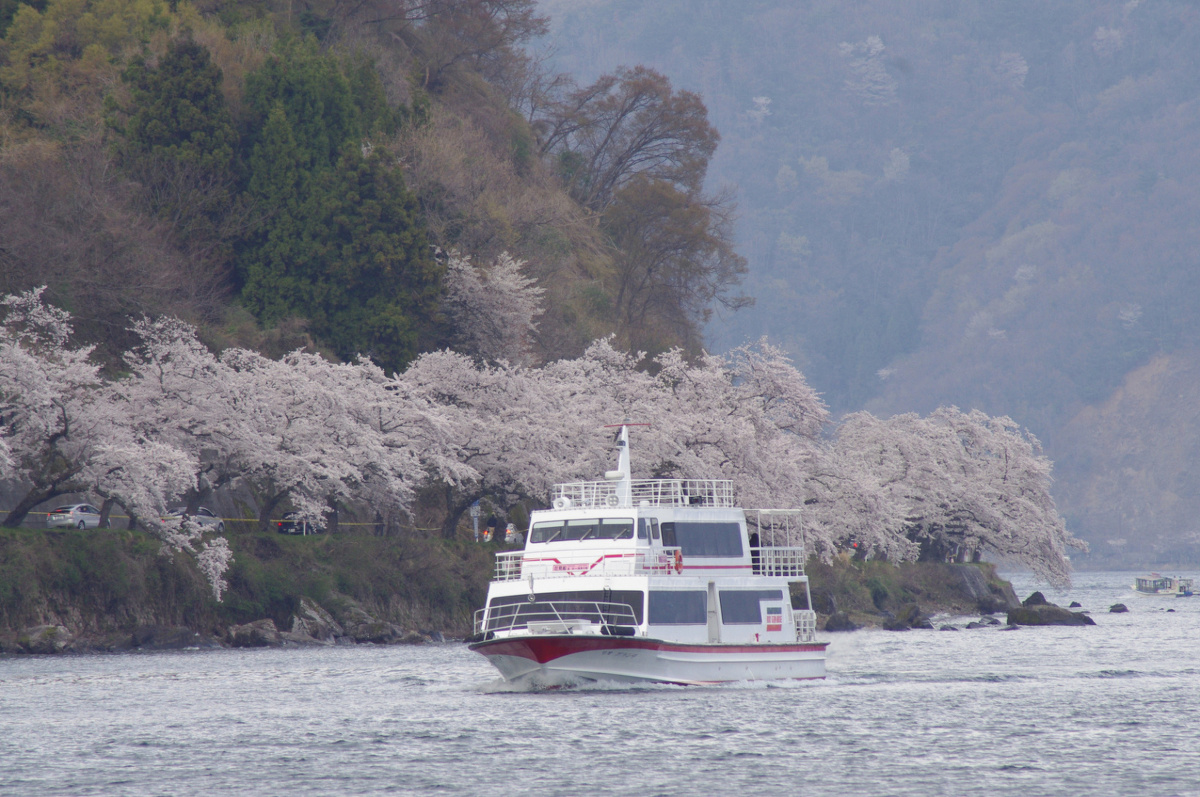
[643, 532]
[547, 532]
[616, 529]
[741, 606]
[678, 607]
[705, 539]
[654, 528]
[577, 605]
[580, 530]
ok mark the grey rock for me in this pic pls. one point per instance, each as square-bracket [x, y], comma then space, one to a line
[976, 625]
[1075, 605]
[840, 621]
[948, 628]
[1035, 599]
[46, 639]
[908, 616]
[313, 621]
[258, 634]
[1047, 614]
[1118, 608]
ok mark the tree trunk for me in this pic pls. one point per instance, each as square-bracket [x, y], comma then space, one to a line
[331, 518]
[31, 499]
[105, 511]
[454, 511]
[267, 508]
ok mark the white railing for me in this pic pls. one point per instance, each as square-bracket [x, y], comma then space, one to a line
[644, 492]
[508, 566]
[562, 617]
[777, 561]
[515, 565]
[806, 625]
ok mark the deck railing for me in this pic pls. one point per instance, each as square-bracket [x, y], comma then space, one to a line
[777, 561]
[558, 617]
[806, 625]
[645, 492]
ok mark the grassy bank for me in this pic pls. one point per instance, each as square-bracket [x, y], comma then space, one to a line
[108, 581]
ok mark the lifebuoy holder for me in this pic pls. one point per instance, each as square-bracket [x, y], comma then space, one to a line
[678, 561]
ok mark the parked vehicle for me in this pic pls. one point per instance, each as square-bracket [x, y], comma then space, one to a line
[203, 515]
[291, 524]
[78, 516]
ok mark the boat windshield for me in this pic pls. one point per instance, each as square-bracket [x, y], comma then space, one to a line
[583, 529]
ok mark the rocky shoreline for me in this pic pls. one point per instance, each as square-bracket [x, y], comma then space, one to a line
[311, 626]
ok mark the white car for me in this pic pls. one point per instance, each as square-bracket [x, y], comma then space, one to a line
[74, 516]
[204, 516]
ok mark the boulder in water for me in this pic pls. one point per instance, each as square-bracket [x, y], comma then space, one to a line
[1047, 614]
[258, 634]
[840, 621]
[1036, 599]
[1118, 608]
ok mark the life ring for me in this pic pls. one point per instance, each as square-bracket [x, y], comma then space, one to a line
[678, 561]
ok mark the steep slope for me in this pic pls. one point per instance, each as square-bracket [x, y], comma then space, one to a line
[988, 205]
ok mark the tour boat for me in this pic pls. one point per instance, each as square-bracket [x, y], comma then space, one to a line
[1163, 585]
[657, 580]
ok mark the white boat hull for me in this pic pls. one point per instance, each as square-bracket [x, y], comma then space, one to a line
[555, 660]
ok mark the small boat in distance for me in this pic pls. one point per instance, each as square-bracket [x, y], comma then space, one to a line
[1154, 584]
[656, 580]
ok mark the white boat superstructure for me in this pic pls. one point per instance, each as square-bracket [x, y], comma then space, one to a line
[652, 580]
[1164, 585]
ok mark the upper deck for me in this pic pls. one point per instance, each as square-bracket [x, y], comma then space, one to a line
[644, 493]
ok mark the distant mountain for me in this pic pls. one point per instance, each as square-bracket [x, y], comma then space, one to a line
[991, 205]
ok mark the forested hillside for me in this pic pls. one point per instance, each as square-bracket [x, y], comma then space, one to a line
[376, 260]
[985, 204]
[289, 174]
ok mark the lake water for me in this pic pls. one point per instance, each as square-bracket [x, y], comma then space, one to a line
[1107, 710]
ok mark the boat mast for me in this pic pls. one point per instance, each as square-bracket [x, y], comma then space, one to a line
[623, 474]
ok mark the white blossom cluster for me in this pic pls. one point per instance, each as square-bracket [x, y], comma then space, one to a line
[317, 434]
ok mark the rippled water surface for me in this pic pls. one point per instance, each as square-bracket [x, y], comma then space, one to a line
[1106, 710]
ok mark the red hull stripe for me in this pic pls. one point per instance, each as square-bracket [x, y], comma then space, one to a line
[548, 648]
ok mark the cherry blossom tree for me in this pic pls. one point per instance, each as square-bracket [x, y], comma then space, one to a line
[46, 393]
[73, 432]
[965, 482]
[319, 435]
[493, 309]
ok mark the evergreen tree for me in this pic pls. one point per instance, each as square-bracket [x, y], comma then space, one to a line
[179, 141]
[341, 244]
[179, 111]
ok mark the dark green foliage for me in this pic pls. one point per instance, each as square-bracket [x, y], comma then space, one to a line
[315, 97]
[178, 141]
[349, 255]
[342, 244]
[114, 580]
[8, 9]
[179, 112]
